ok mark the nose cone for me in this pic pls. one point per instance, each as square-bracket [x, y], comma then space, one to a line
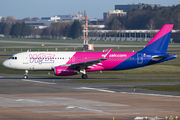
[5, 64]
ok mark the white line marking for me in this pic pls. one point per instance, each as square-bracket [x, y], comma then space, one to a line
[150, 94]
[70, 107]
[29, 100]
[97, 89]
[129, 92]
[90, 109]
[38, 81]
[102, 114]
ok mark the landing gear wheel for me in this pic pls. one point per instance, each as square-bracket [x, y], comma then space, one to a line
[84, 76]
[26, 74]
[25, 77]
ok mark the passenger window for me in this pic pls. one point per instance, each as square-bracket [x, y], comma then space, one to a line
[15, 58]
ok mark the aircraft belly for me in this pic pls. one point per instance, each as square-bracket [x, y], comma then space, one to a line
[41, 66]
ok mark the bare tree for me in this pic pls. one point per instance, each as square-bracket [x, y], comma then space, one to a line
[25, 19]
[6, 30]
[55, 32]
[10, 20]
[151, 25]
[34, 19]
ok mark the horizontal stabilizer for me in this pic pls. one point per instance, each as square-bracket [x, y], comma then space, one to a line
[157, 58]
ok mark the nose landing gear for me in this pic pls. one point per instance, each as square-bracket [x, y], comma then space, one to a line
[26, 74]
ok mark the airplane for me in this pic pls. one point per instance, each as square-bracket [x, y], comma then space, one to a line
[72, 63]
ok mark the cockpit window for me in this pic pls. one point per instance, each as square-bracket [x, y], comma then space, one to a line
[11, 57]
[14, 58]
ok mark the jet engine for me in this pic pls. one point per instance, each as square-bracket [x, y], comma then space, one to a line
[64, 71]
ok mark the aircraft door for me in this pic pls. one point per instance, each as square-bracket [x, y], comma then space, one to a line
[25, 58]
[139, 58]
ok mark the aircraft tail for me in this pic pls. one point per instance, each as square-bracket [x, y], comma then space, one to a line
[159, 43]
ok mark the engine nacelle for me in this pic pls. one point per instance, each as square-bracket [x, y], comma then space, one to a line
[64, 71]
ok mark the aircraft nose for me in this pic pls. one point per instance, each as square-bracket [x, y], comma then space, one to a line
[5, 63]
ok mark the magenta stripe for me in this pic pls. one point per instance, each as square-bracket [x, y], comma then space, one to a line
[112, 61]
[163, 31]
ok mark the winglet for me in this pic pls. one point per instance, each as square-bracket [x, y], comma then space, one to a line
[108, 53]
[107, 50]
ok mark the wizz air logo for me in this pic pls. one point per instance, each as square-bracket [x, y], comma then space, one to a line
[41, 58]
[117, 55]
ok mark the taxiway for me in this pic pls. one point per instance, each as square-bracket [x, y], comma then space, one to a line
[59, 98]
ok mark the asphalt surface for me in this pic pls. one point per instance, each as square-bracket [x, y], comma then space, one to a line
[52, 85]
[59, 98]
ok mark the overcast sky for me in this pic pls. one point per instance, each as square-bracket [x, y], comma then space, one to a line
[45, 8]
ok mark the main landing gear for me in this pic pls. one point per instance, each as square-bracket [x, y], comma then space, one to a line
[84, 75]
[26, 74]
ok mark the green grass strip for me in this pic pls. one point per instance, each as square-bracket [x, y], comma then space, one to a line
[167, 88]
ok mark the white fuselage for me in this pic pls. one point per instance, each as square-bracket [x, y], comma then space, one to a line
[37, 60]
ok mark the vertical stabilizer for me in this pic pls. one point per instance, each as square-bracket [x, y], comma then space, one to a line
[159, 43]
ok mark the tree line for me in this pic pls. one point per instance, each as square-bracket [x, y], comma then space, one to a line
[146, 18]
[137, 18]
[15, 30]
[70, 30]
[59, 29]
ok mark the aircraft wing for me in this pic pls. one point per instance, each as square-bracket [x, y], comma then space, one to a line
[88, 64]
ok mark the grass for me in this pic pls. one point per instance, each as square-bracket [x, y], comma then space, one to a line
[77, 41]
[123, 80]
[167, 88]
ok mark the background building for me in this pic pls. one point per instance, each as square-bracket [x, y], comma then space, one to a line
[96, 23]
[112, 13]
[1, 18]
[128, 7]
[47, 21]
[78, 17]
[43, 22]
